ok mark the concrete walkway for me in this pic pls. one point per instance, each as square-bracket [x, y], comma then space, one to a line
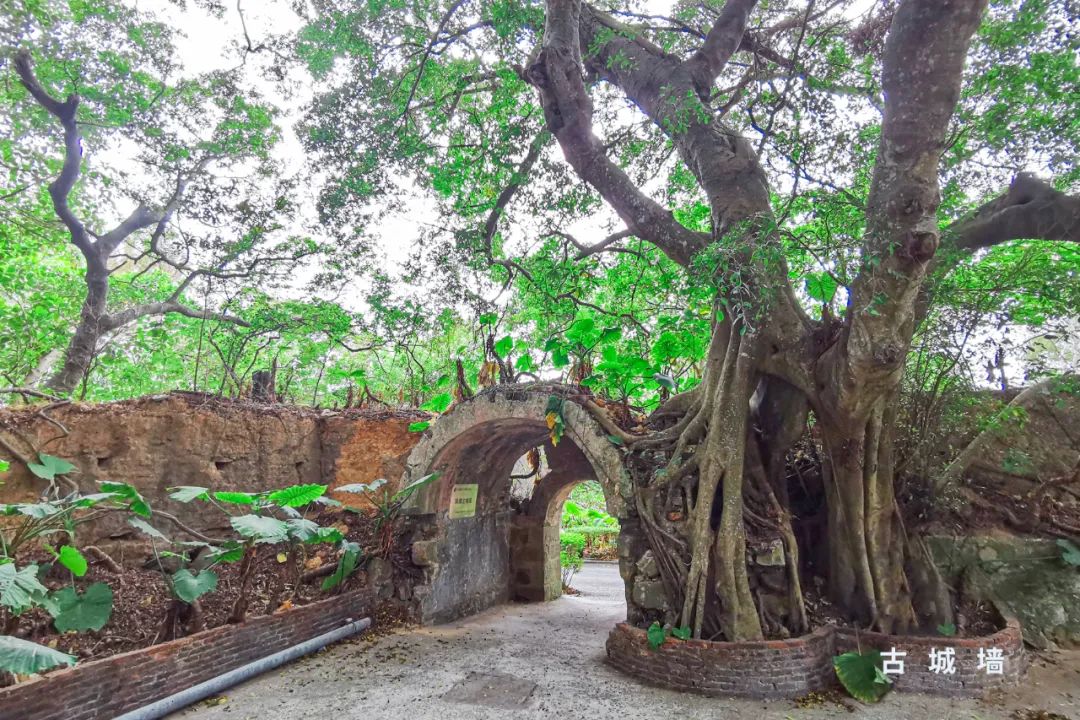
[547, 661]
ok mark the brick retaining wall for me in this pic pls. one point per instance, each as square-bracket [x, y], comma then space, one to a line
[103, 689]
[790, 668]
[766, 669]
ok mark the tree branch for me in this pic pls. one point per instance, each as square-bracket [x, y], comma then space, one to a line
[1031, 209]
[724, 38]
[60, 188]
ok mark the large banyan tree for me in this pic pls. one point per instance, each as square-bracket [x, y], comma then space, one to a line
[724, 135]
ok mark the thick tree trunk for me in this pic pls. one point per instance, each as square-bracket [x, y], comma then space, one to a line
[84, 343]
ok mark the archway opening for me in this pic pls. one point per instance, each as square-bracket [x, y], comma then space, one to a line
[483, 540]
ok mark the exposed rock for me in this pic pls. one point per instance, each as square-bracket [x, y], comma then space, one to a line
[1023, 577]
[646, 566]
[772, 555]
[649, 594]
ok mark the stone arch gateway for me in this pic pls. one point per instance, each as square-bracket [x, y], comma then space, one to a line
[498, 553]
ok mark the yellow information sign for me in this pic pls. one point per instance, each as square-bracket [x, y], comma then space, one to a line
[463, 501]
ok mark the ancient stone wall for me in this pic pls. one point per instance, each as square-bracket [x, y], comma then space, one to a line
[163, 441]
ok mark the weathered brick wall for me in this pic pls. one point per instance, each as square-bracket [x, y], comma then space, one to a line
[789, 668]
[766, 669]
[103, 689]
[967, 678]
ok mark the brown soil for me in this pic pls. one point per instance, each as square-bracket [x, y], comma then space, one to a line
[141, 600]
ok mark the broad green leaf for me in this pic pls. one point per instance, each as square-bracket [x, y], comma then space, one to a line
[610, 334]
[88, 611]
[4, 466]
[419, 426]
[656, 635]
[860, 674]
[821, 286]
[260, 528]
[297, 495]
[50, 466]
[346, 565]
[683, 633]
[362, 487]
[947, 629]
[73, 560]
[302, 529]
[187, 493]
[235, 498]
[23, 657]
[19, 587]
[580, 330]
[438, 404]
[190, 587]
[665, 380]
[416, 485]
[504, 345]
[140, 524]
[38, 511]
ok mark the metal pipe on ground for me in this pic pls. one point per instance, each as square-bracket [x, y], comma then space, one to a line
[203, 690]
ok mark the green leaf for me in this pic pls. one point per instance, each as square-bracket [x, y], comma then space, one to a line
[860, 674]
[50, 466]
[821, 286]
[345, 567]
[297, 495]
[4, 466]
[415, 485]
[190, 587]
[73, 560]
[229, 552]
[683, 633]
[261, 529]
[362, 487]
[140, 524]
[615, 440]
[504, 345]
[235, 498]
[88, 611]
[439, 403]
[488, 318]
[1070, 553]
[419, 426]
[24, 657]
[610, 334]
[187, 493]
[580, 330]
[302, 529]
[123, 491]
[18, 588]
[665, 380]
[559, 357]
[656, 635]
[947, 629]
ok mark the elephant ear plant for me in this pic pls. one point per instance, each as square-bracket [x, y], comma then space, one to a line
[51, 525]
[387, 507]
[275, 517]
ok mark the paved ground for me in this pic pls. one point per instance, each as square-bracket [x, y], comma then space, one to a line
[547, 661]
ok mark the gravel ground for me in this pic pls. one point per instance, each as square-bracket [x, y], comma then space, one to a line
[546, 661]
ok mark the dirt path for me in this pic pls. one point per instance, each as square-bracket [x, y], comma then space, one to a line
[547, 661]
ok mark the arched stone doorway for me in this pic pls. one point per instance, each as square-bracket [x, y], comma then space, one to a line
[497, 553]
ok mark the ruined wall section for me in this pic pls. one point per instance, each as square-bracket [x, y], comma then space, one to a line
[163, 441]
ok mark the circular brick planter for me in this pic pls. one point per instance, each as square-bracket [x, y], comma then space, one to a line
[764, 669]
[790, 668]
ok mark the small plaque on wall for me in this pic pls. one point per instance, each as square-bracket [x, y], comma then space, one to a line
[463, 501]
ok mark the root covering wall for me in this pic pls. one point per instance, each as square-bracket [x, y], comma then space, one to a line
[159, 442]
